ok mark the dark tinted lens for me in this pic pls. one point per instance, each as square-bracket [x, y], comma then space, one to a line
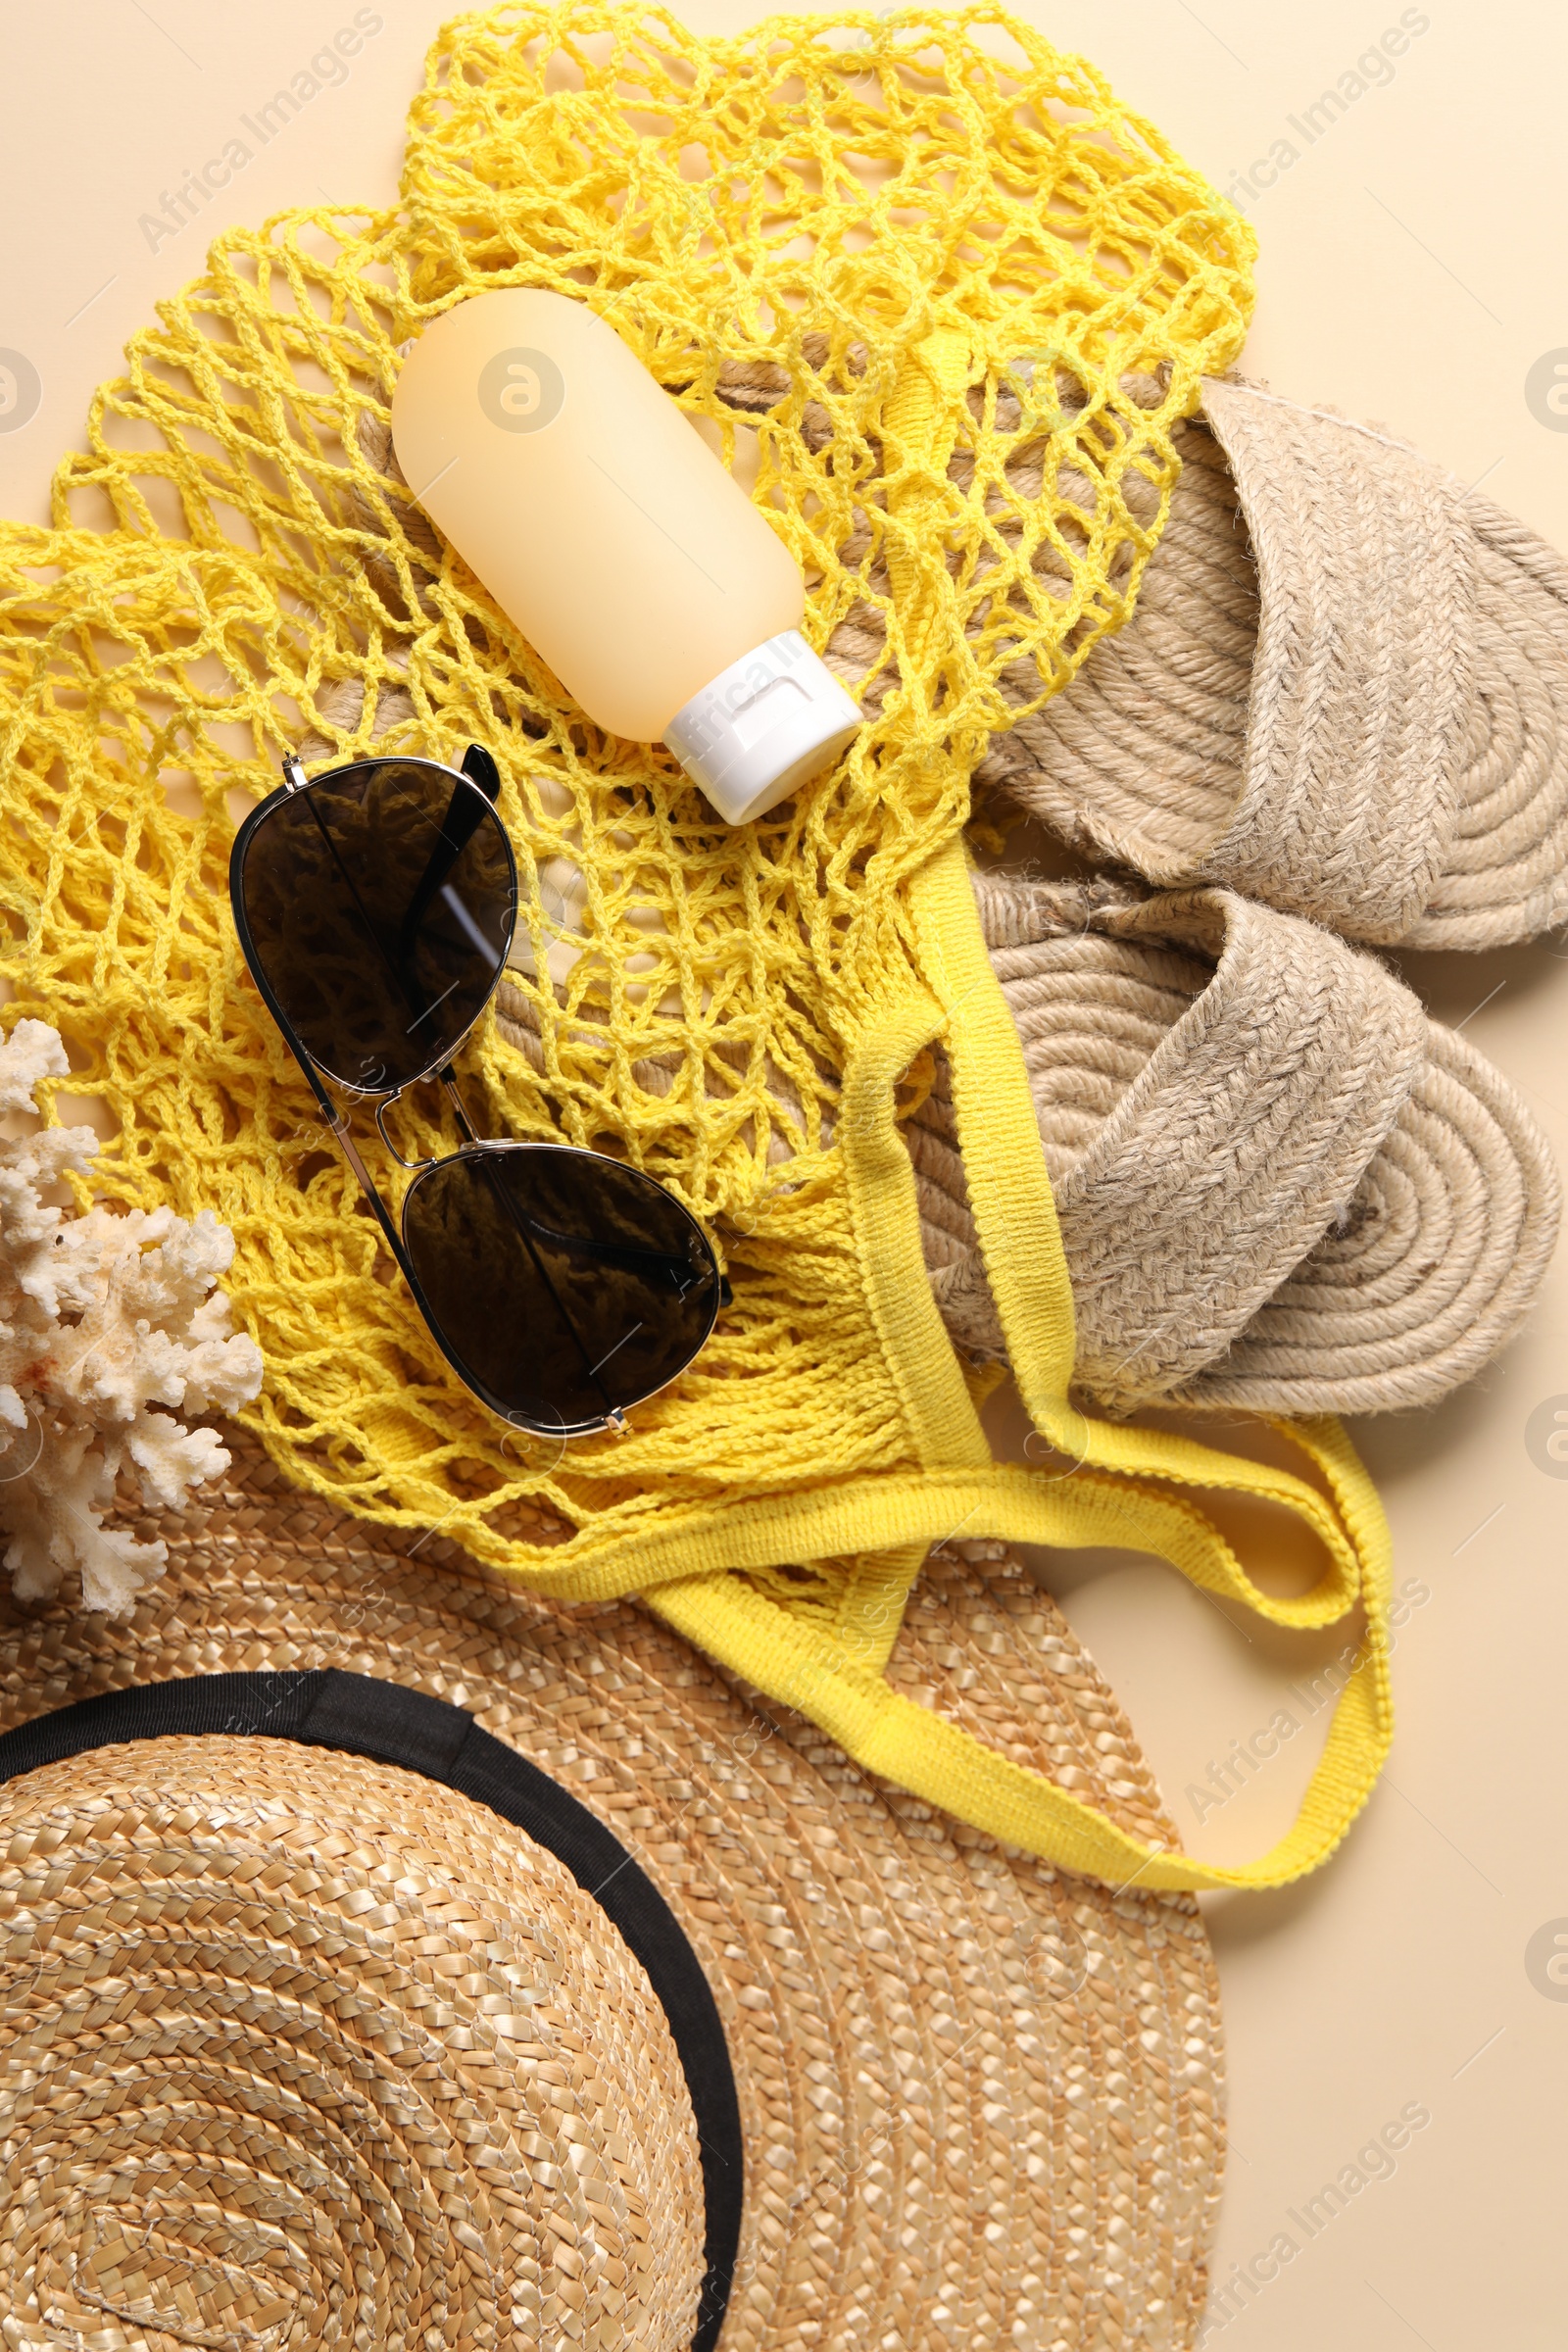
[380, 906]
[565, 1285]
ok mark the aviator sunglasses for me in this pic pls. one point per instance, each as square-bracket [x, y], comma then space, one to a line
[376, 905]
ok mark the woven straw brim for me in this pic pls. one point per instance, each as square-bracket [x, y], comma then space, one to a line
[294, 2056]
[1280, 1187]
[979, 2100]
[1344, 691]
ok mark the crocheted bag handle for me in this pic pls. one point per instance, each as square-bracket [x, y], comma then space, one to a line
[1122, 1488]
[1016, 1219]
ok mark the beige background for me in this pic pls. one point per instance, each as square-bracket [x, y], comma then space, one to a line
[1412, 272]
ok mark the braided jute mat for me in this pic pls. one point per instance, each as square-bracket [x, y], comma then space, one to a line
[301, 2048]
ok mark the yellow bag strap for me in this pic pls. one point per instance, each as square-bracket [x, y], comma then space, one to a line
[1120, 1493]
[1117, 1486]
[803, 1667]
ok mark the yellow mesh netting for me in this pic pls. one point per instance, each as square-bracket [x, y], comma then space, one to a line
[943, 299]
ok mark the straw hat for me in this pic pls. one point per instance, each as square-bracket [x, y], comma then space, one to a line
[392, 1959]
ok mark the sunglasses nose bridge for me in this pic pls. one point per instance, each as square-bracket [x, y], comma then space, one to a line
[386, 1104]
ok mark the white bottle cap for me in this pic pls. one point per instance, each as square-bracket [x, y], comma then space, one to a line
[767, 725]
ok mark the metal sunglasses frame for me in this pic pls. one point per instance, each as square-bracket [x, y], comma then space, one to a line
[480, 776]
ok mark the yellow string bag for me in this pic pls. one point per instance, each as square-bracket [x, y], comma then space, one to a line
[962, 296]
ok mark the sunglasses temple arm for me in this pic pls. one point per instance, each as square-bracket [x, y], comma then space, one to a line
[350, 1150]
[458, 828]
[613, 1416]
[337, 1123]
[608, 1253]
[449, 1080]
[342, 1135]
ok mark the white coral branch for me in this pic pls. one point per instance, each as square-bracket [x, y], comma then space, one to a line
[103, 1318]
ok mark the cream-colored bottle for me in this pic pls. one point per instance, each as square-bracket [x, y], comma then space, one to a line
[570, 481]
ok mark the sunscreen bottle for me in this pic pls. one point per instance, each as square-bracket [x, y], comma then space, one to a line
[605, 528]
